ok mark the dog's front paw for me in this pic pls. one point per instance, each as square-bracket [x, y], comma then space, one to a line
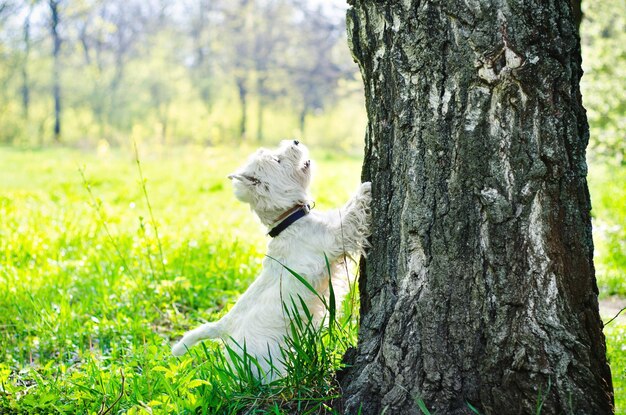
[365, 193]
[366, 188]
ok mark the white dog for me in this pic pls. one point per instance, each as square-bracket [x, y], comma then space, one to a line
[274, 183]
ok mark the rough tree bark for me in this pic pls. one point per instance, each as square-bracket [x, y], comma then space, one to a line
[577, 12]
[479, 287]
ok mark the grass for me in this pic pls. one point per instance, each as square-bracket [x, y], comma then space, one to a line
[607, 184]
[616, 353]
[93, 299]
[91, 304]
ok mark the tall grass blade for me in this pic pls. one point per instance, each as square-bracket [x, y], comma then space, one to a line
[299, 278]
[149, 205]
[541, 399]
[98, 208]
[422, 406]
[332, 306]
[472, 408]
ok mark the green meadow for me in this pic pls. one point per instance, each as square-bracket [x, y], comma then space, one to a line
[104, 262]
[97, 284]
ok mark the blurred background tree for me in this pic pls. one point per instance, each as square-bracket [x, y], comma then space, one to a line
[83, 72]
[603, 32]
[209, 72]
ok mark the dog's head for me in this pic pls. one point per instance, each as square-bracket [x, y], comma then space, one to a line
[274, 180]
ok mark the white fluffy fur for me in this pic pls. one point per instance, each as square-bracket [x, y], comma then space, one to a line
[272, 182]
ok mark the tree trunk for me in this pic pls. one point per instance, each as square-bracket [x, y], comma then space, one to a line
[25, 77]
[56, 50]
[115, 112]
[479, 287]
[302, 121]
[577, 13]
[261, 108]
[84, 42]
[259, 126]
[243, 94]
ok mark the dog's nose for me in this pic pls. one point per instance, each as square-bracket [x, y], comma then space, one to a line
[296, 142]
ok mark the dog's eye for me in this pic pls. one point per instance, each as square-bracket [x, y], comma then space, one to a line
[252, 179]
[277, 160]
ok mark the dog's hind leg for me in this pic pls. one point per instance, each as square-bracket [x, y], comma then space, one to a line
[205, 331]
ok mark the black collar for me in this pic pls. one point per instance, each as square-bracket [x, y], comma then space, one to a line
[298, 214]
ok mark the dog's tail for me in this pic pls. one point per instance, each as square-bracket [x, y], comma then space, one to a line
[205, 331]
